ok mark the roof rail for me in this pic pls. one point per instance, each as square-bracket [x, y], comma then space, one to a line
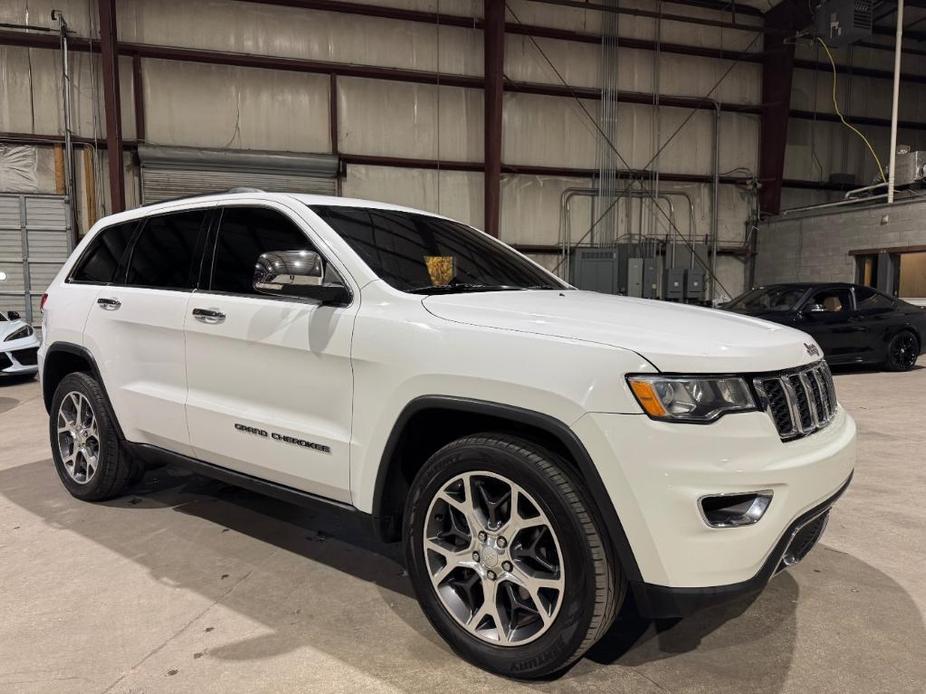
[239, 189]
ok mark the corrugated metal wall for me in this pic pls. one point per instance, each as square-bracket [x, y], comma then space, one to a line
[194, 104]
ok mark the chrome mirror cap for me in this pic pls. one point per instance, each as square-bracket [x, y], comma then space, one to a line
[277, 271]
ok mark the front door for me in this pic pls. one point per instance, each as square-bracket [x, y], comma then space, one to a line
[827, 315]
[135, 330]
[270, 378]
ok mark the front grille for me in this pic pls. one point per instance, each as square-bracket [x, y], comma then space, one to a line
[27, 357]
[800, 401]
[804, 540]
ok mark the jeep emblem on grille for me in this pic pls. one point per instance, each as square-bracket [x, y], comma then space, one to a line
[812, 349]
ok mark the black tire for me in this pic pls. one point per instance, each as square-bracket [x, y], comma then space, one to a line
[115, 469]
[902, 351]
[594, 585]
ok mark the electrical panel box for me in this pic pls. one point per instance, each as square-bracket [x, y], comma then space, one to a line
[694, 285]
[635, 277]
[651, 277]
[595, 269]
[674, 286]
[843, 22]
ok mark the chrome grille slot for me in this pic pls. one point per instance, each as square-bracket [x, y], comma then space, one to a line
[799, 401]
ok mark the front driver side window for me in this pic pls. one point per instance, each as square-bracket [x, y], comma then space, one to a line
[830, 301]
[245, 233]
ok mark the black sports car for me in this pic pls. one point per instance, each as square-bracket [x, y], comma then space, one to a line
[853, 324]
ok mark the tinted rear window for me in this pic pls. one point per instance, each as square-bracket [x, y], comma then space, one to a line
[102, 259]
[163, 257]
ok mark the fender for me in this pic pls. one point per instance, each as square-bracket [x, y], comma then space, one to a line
[613, 529]
[83, 353]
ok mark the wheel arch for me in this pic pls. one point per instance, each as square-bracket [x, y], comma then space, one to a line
[63, 358]
[429, 422]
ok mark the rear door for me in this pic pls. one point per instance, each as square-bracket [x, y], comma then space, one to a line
[875, 320]
[270, 377]
[66, 312]
[135, 329]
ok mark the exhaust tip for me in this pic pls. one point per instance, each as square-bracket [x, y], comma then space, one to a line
[734, 510]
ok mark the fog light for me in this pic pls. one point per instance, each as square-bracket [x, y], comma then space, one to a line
[734, 510]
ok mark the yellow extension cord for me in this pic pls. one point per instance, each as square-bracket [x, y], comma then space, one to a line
[842, 118]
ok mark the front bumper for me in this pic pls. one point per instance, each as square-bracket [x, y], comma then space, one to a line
[663, 602]
[655, 473]
[19, 357]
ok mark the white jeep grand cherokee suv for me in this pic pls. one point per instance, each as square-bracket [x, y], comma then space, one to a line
[539, 450]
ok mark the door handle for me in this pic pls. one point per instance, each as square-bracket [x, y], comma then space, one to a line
[208, 315]
[108, 304]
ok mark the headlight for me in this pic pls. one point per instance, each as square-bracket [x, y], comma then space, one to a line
[24, 331]
[691, 399]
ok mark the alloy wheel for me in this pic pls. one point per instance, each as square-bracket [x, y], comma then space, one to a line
[494, 558]
[78, 437]
[904, 350]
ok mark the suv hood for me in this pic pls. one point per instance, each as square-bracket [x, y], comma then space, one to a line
[673, 337]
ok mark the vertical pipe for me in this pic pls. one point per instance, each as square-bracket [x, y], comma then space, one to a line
[70, 178]
[715, 204]
[494, 55]
[333, 124]
[898, 48]
[112, 104]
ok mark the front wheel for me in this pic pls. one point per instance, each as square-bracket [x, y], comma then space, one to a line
[85, 443]
[902, 351]
[507, 558]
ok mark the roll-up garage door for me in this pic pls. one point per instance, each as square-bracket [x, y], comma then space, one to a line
[33, 247]
[175, 172]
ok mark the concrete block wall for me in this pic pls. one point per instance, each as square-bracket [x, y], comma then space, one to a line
[817, 246]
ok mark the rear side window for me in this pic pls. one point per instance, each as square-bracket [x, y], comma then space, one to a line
[164, 254]
[867, 299]
[101, 261]
[245, 233]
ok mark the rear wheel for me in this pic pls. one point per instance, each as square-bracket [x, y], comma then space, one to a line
[86, 449]
[506, 557]
[902, 351]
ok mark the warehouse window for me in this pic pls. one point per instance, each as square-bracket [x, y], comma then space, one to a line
[163, 255]
[102, 259]
[245, 233]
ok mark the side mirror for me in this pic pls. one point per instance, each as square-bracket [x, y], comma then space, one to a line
[13, 315]
[814, 308]
[296, 273]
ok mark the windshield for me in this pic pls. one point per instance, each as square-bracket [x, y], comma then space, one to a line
[427, 255]
[772, 299]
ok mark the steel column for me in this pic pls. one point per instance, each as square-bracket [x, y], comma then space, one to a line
[777, 72]
[494, 48]
[111, 101]
[139, 96]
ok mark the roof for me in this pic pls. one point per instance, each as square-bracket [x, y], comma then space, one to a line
[807, 285]
[254, 194]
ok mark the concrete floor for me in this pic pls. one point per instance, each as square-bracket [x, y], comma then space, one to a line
[190, 585]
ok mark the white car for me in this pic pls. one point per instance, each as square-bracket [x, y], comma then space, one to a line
[539, 450]
[19, 346]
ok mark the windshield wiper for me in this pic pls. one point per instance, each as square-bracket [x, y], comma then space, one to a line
[462, 287]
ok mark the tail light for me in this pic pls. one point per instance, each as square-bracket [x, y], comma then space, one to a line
[43, 302]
